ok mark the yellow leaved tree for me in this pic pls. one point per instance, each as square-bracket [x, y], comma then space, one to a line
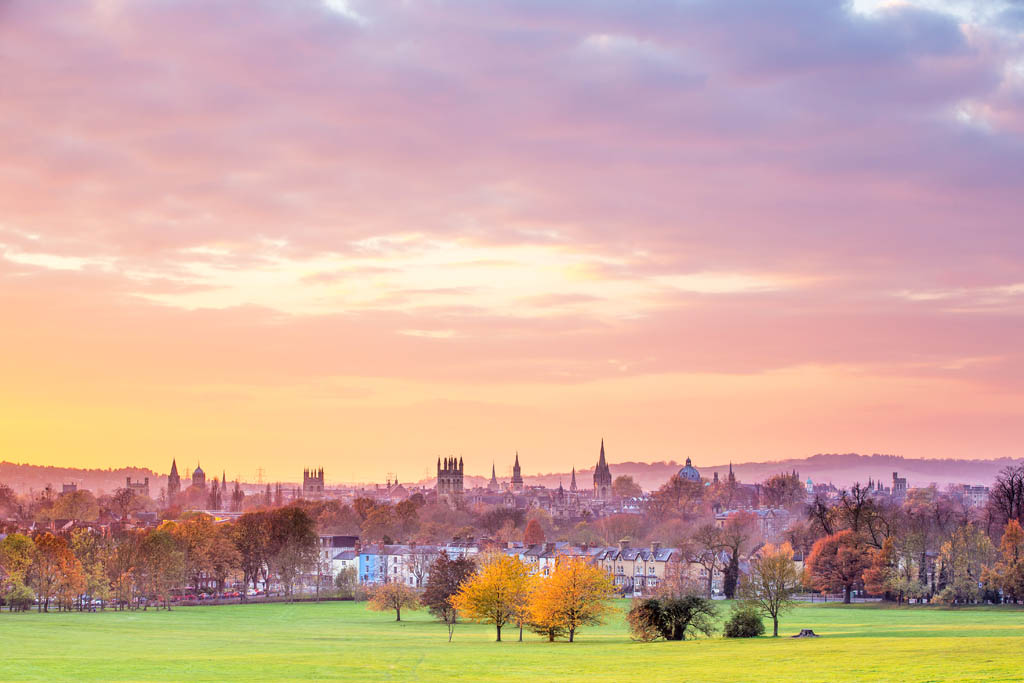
[499, 593]
[575, 595]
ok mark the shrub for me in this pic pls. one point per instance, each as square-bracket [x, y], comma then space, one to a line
[643, 620]
[672, 618]
[745, 622]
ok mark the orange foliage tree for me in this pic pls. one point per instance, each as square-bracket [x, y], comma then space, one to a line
[837, 562]
[393, 596]
[575, 595]
[533, 534]
[881, 575]
[1007, 574]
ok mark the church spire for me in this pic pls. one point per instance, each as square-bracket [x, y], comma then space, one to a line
[517, 476]
[572, 483]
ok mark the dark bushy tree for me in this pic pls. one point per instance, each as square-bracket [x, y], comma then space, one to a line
[672, 618]
[446, 575]
[744, 622]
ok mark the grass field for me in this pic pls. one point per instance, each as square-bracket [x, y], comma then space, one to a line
[344, 640]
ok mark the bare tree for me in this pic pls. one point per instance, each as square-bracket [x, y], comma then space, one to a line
[708, 547]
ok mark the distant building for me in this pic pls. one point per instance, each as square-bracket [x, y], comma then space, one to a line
[68, 488]
[492, 485]
[517, 476]
[199, 477]
[450, 482]
[313, 484]
[602, 478]
[975, 496]
[899, 486]
[173, 481]
[690, 473]
[140, 488]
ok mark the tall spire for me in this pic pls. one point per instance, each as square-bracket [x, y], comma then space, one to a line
[174, 466]
[517, 476]
[572, 484]
[600, 461]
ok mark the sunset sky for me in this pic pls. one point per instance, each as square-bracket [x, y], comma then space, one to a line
[362, 235]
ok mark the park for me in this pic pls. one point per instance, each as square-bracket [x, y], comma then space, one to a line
[344, 640]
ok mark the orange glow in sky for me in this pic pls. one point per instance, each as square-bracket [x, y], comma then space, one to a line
[363, 235]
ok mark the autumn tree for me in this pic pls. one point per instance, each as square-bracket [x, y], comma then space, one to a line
[678, 497]
[251, 536]
[76, 505]
[393, 596]
[961, 560]
[50, 553]
[783, 491]
[772, 582]
[161, 565]
[445, 577]
[614, 528]
[224, 560]
[625, 486]
[1007, 575]
[120, 566]
[195, 535]
[16, 554]
[575, 595]
[497, 594]
[91, 550]
[837, 562]
[880, 577]
[533, 533]
[71, 581]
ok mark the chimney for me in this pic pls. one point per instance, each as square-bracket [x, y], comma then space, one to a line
[623, 544]
[655, 546]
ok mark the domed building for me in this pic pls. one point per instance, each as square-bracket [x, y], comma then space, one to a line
[689, 472]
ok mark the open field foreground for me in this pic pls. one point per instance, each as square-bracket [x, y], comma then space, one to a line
[345, 641]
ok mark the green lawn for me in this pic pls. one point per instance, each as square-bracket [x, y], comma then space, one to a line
[344, 640]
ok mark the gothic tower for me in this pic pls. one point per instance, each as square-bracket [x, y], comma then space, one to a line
[450, 478]
[173, 482]
[602, 478]
[517, 476]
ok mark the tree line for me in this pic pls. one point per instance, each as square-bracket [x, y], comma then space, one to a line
[139, 568]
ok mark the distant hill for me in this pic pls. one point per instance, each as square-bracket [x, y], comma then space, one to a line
[842, 469]
[25, 478]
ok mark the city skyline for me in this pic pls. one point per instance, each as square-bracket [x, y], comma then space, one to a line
[354, 233]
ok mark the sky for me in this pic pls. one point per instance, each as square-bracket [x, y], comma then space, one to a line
[363, 235]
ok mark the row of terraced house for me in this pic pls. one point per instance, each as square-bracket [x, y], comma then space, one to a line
[634, 570]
